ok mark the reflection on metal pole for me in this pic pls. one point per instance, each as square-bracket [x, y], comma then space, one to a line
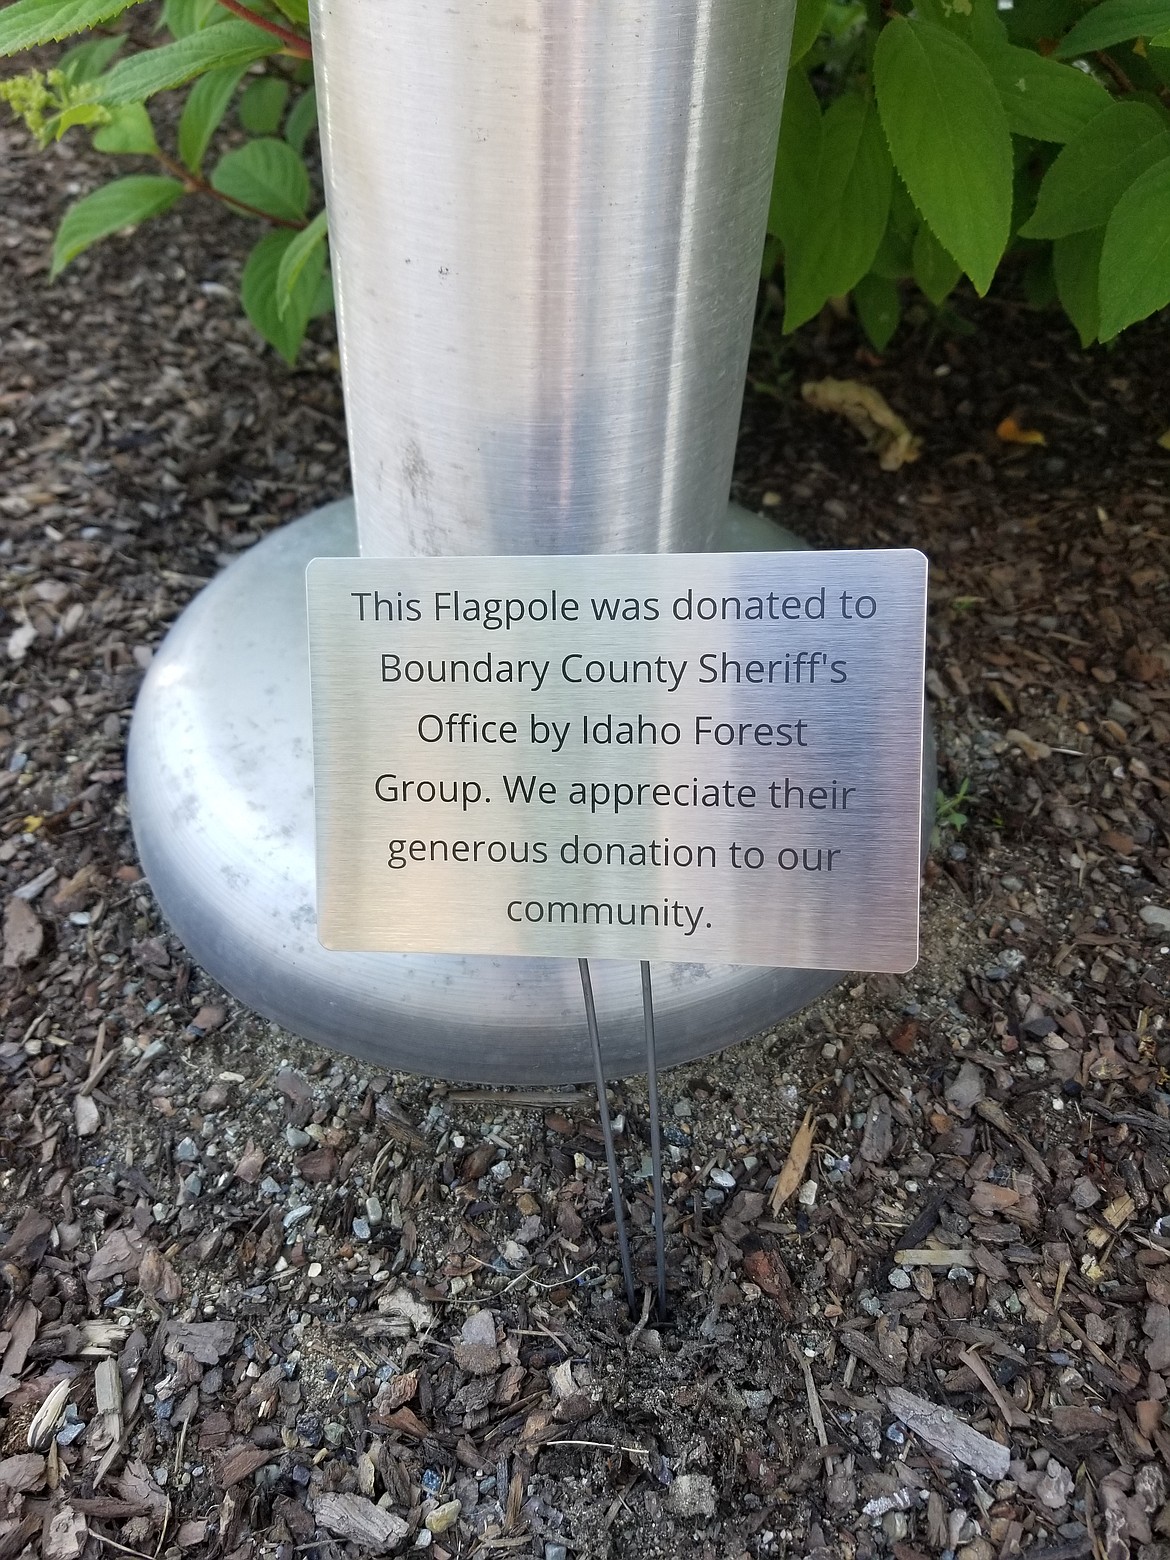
[607, 1132]
[655, 1140]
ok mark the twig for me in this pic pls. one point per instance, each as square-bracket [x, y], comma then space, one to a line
[112, 1543]
[1012, 1415]
[295, 43]
[810, 1390]
[603, 1446]
[992, 1113]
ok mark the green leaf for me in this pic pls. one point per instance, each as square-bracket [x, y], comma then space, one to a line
[301, 120]
[295, 258]
[258, 292]
[1041, 97]
[879, 308]
[948, 135]
[108, 210]
[1114, 21]
[1076, 263]
[155, 70]
[266, 174]
[203, 112]
[894, 258]
[323, 297]
[30, 22]
[1030, 20]
[797, 154]
[834, 238]
[935, 271]
[1135, 258]
[809, 16]
[181, 18]
[1090, 173]
[1038, 279]
[84, 61]
[262, 105]
[297, 11]
[129, 130]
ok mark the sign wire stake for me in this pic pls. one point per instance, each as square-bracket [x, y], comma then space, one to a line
[607, 1132]
[655, 1139]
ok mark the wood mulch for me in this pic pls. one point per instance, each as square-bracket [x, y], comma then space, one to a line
[262, 1300]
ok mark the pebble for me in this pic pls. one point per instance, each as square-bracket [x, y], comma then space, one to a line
[191, 1188]
[271, 1188]
[899, 1279]
[295, 1215]
[501, 1171]
[361, 1229]
[691, 1495]
[432, 1481]
[187, 1152]
[295, 1138]
[423, 1539]
[682, 1110]
[555, 1552]
[444, 1516]
[476, 1351]
[723, 1178]
[1156, 915]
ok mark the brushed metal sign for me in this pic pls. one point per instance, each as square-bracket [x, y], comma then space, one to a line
[708, 758]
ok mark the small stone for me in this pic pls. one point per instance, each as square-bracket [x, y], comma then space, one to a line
[423, 1539]
[86, 1117]
[555, 1552]
[476, 1351]
[311, 1429]
[723, 1178]
[682, 1110]
[444, 1516]
[187, 1152]
[501, 1170]
[24, 936]
[191, 1189]
[361, 1229]
[1155, 915]
[691, 1495]
[899, 1279]
[296, 1138]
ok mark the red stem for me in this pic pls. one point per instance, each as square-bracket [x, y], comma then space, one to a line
[195, 183]
[295, 43]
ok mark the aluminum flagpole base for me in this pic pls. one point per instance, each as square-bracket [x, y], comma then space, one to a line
[220, 776]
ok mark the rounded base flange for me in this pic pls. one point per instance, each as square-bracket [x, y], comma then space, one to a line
[220, 776]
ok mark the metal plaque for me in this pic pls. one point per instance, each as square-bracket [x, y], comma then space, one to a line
[712, 758]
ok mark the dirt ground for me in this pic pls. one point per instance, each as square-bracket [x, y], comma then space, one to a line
[260, 1300]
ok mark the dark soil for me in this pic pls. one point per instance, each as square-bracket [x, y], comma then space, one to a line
[255, 1266]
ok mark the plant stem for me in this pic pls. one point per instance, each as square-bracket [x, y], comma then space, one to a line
[294, 42]
[196, 184]
[1122, 81]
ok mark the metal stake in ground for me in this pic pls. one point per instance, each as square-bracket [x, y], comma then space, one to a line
[655, 1139]
[607, 1133]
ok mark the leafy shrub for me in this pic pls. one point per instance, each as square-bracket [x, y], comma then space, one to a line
[962, 137]
[227, 55]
